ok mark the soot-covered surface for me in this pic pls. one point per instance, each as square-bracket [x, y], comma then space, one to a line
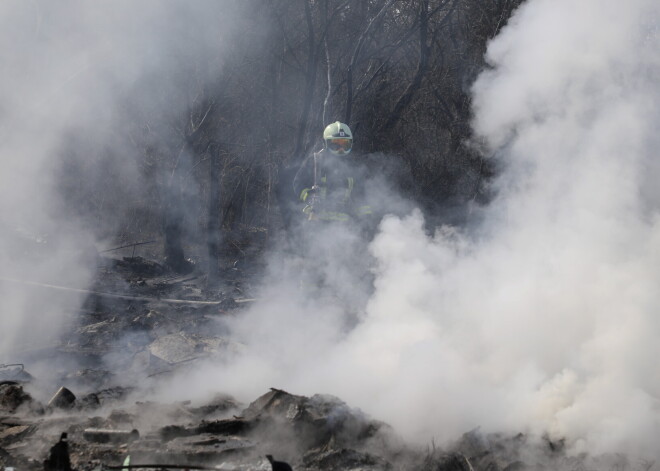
[141, 324]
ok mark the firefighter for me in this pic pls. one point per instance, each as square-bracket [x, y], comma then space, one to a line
[330, 191]
[330, 188]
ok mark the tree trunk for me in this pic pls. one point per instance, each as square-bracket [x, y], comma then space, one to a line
[406, 98]
[214, 216]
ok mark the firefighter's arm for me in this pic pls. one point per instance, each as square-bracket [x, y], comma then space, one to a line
[307, 192]
[303, 178]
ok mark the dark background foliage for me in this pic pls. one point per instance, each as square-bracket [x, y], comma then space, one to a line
[215, 144]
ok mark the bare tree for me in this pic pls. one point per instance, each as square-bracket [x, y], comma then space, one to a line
[398, 73]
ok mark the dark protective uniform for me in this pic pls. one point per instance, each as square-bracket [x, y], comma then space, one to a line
[327, 186]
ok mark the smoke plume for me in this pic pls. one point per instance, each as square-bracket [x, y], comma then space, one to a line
[540, 319]
[89, 91]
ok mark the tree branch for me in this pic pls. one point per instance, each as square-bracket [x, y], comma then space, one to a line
[406, 98]
[356, 52]
[310, 81]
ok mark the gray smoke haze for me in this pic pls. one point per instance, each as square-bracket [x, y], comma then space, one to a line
[86, 88]
[541, 320]
[544, 318]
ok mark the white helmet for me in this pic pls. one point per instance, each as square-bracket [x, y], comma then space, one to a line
[338, 138]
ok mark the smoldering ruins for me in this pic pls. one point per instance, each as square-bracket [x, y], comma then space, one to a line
[164, 305]
[108, 372]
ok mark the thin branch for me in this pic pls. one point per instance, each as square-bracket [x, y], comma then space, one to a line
[422, 66]
[356, 53]
[310, 81]
[326, 102]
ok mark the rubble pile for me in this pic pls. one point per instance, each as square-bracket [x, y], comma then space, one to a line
[320, 432]
[143, 320]
[141, 323]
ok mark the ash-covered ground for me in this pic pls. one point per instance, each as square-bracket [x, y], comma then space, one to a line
[96, 406]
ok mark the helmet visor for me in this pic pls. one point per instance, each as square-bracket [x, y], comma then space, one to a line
[339, 145]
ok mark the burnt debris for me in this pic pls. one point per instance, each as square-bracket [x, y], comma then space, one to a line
[63, 399]
[123, 344]
[278, 465]
[58, 457]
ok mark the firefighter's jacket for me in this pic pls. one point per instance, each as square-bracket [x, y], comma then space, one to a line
[329, 189]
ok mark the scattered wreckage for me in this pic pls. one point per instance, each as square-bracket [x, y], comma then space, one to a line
[320, 432]
[277, 431]
[95, 419]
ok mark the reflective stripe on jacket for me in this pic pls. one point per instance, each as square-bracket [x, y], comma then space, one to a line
[325, 215]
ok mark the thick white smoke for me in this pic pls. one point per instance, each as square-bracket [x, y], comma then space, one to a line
[544, 319]
[84, 86]
[572, 105]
